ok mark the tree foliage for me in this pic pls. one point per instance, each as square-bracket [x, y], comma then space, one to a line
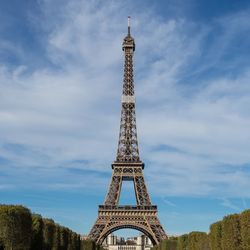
[88, 245]
[1, 245]
[21, 230]
[56, 240]
[169, 244]
[198, 241]
[232, 233]
[48, 233]
[245, 229]
[37, 232]
[182, 242]
[231, 236]
[215, 236]
[64, 238]
[15, 225]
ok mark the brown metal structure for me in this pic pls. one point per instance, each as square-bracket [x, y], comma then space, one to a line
[128, 167]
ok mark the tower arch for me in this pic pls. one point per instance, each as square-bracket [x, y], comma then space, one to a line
[140, 228]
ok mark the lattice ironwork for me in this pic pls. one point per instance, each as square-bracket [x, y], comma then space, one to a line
[141, 218]
[128, 167]
[126, 172]
[114, 191]
[128, 150]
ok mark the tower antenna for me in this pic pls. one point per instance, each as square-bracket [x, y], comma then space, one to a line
[129, 25]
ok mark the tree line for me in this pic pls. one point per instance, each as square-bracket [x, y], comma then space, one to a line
[231, 233]
[22, 230]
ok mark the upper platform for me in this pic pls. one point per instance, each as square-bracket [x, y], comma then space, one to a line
[128, 41]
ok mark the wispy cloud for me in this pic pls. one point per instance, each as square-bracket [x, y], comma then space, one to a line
[169, 203]
[227, 203]
[193, 95]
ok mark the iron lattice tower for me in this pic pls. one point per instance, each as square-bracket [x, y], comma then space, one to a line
[128, 167]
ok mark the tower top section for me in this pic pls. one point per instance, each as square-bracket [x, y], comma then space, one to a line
[128, 42]
[128, 151]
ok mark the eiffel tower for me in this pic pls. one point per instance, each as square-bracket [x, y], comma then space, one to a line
[128, 167]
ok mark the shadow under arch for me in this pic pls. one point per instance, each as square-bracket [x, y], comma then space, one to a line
[138, 228]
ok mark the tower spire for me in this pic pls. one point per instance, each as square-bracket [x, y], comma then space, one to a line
[128, 25]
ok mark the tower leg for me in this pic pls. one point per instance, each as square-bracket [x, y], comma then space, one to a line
[114, 191]
[141, 191]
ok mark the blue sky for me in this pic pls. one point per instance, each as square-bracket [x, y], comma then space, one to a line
[61, 73]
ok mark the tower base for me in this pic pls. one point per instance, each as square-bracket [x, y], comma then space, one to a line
[141, 218]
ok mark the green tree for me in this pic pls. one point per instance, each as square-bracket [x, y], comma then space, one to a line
[245, 229]
[71, 244]
[231, 236]
[215, 236]
[64, 238]
[15, 224]
[56, 239]
[48, 234]
[37, 232]
[74, 241]
[70, 240]
[21, 231]
[198, 241]
[78, 242]
[1, 244]
[155, 247]
[162, 245]
[182, 243]
[88, 245]
[169, 244]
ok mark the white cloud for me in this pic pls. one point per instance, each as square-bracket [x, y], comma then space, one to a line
[71, 111]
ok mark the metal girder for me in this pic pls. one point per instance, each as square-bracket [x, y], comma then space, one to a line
[143, 219]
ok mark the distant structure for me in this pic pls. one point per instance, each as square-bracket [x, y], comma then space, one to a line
[141, 242]
[128, 167]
